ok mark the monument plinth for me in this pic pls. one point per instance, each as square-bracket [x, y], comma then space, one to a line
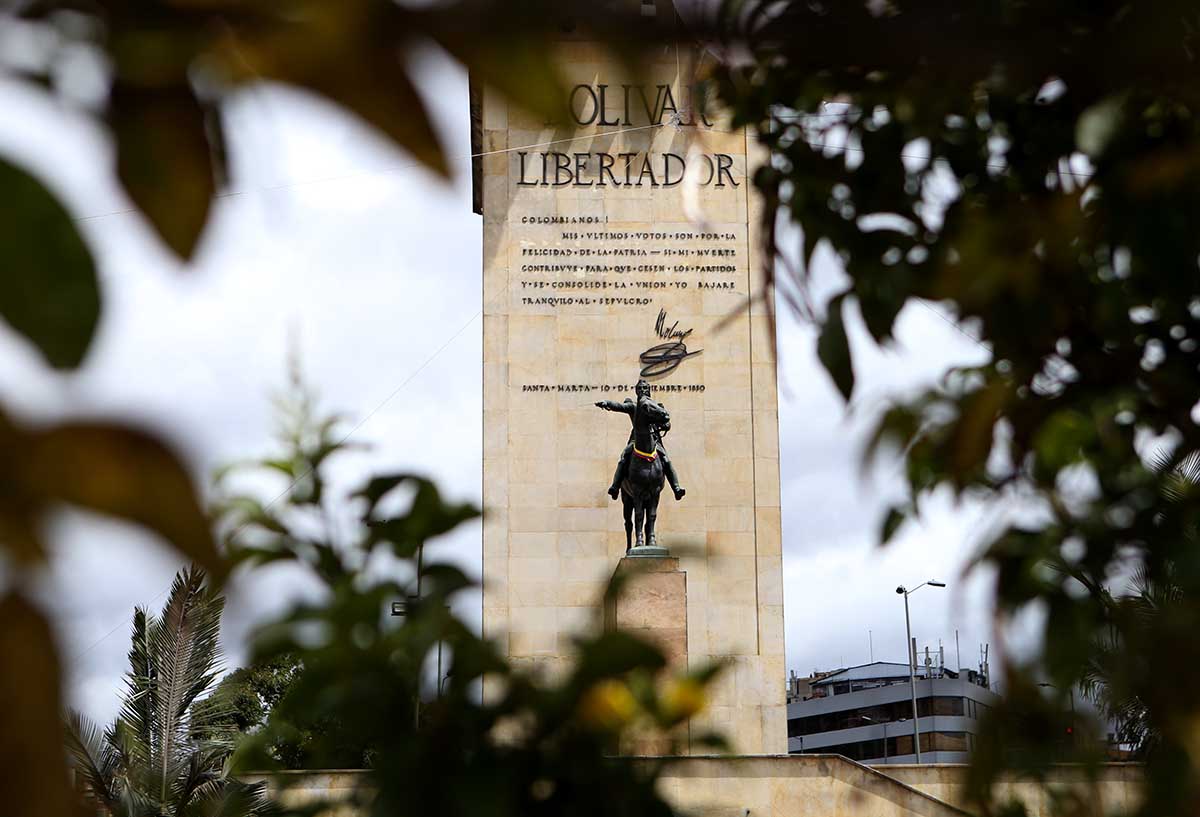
[652, 605]
[620, 244]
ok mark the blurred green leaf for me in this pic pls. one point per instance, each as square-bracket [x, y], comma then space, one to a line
[834, 349]
[615, 653]
[428, 516]
[1098, 125]
[353, 53]
[506, 46]
[1062, 438]
[445, 579]
[971, 439]
[125, 473]
[891, 523]
[48, 292]
[394, 106]
[164, 159]
[31, 734]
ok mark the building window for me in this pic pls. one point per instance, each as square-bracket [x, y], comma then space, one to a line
[949, 741]
[940, 705]
[874, 750]
[883, 713]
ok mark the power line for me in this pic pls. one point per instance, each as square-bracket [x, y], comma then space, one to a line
[415, 372]
[378, 407]
[229, 194]
[306, 474]
[413, 164]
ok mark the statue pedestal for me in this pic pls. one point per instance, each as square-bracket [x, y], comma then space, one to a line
[648, 552]
[652, 606]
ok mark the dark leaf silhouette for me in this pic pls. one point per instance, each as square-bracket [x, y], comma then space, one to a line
[31, 733]
[48, 292]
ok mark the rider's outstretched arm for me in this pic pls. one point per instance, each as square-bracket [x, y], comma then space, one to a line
[612, 405]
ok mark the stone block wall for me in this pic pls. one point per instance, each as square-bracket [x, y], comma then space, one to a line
[580, 260]
[810, 786]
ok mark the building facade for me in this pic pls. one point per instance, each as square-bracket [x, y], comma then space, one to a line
[865, 714]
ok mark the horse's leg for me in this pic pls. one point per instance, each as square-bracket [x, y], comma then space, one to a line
[651, 518]
[639, 520]
[627, 501]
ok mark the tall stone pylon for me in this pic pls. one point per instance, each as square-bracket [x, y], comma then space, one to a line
[621, 242]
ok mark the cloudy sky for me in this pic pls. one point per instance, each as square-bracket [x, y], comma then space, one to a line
[336, 244]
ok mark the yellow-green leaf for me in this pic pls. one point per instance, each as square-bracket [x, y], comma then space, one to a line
[164, 159]
[33, 764]
[48, 288]
[125, 473]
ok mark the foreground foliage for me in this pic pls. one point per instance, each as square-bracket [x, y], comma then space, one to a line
[491, 738]
[156, 78]
[1117, 680]
[165, 753]
[1033, 168]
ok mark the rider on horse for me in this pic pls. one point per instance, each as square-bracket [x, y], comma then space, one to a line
[642, 390]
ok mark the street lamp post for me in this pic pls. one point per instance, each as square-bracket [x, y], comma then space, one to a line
[883, 723]
[912, 660]
[1071, 692]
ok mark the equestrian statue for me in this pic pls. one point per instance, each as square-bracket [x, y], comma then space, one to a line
[643, 464]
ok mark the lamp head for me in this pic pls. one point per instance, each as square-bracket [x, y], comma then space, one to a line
[900, 590]
[935, 583]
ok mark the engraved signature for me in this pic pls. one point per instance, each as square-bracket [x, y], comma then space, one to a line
[666, 357]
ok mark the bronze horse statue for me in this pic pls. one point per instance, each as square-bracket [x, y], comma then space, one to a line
[644, 472]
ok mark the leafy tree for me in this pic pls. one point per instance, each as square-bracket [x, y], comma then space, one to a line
[497, 739]
[245, 697]
[1032, 168]
[1118, 679]
[1105, 682]
[165, 754]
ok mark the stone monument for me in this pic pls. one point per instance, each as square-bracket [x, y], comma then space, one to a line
[620, 245]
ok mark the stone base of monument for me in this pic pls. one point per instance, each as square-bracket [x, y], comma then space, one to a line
[652, 606]
[647, 551]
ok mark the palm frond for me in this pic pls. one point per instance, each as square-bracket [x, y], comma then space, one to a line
[139, 706]
[192, 785]
[1189, 468]
[233, 798]
[94, 760]
[137, 779]
[1180, 473]
[137, 803]
[185, 655]
[167, 751]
